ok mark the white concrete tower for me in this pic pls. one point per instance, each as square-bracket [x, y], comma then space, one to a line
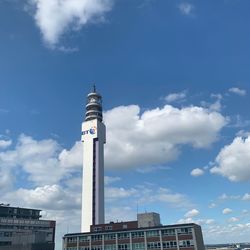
[93, 139]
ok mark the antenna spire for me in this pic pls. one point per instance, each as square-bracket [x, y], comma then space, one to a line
[94, 88]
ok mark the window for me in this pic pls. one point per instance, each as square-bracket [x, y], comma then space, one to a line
[169, 244]
[186, 243]
[96, 248]
[97, 237]
[83, 248]
[108, 227]
[71, 240]
[152, 233]
[110, 247]
[84, 238]
[109, 236]
[97, 229]
[123, 236]
[168, 232]
[123, 246]
[154, 245]
[139, 234]
[186, 230]
[138, 246]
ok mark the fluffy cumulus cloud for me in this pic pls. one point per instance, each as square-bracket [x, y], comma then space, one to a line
[135, 139]
[186, 8]
[192, 213]
[227, 211]
[246, 197]
[54, 17]
[197, 172]
[155, 136]
[5, 143]
[44, 161]
[43, 197]
[173, 97]
[238, 91]
[233, 161]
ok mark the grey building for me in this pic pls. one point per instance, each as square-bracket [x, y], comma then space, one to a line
[22, 229]
[146, 233]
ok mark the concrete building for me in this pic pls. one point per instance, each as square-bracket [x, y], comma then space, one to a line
[131, 236]
[93, 139]
[22, 229]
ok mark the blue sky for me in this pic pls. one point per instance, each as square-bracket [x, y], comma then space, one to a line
[174, 76]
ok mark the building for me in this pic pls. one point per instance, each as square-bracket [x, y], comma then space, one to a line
[131, 236]
[93, 139]
[22, 229]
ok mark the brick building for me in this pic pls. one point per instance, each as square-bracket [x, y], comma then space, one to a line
[144, 233]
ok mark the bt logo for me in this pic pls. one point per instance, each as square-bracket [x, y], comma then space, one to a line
[91, 131]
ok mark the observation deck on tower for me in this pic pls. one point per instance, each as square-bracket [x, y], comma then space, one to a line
[94, 106]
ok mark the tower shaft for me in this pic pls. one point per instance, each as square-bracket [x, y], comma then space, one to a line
[93, 139]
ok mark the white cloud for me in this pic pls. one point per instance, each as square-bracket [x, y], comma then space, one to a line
[44, 161]
[119, 193]
[173, 199]
[229, 197]
[5, 144]
[192, 213]
[212, 205]
[153, 137]
[51, 197]
[186, 8]
[110, 179]
[233, 161]
[197, 221]
[197, 172]
[233, 219]
[173, 97]
[246, 197]
[55, 18]
[227, 211]
[238, 91]
[146, 195]
[72, 158]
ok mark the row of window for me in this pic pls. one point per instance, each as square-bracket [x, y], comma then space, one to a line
[5, 234]
[139, 246]
[139, 234]
[99, 229]
[186, 243]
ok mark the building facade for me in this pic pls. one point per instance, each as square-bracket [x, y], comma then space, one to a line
[22, 229]
[93, 139]
[129, 236]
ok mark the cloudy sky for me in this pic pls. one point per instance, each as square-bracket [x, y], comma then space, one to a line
[174, 76]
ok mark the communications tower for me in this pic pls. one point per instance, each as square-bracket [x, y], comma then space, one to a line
[93, 139]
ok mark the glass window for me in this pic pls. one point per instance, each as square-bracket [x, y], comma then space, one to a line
[152, 233]
[123, 235]
[110, 247]
[168, 232]
[123, 246]
[109, 236]
[154, 245]
[97, 237]
[84, 238]
[139, 234]
[138, 246]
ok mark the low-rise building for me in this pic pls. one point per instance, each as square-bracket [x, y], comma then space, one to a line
[22, 229]
[133, 235]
